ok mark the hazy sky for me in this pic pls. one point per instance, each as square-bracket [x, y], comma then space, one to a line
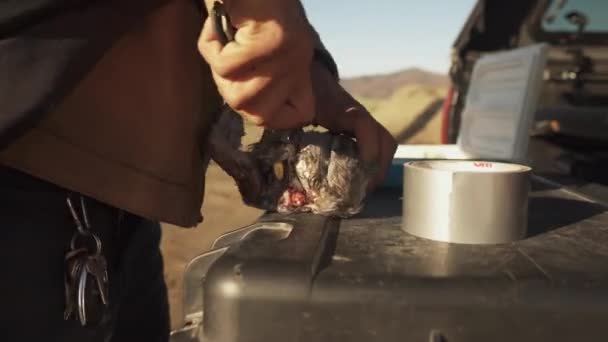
[379, 36]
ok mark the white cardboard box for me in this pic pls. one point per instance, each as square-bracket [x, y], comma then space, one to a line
[498, 113]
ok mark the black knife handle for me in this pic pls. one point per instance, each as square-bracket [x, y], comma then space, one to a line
[223, 25]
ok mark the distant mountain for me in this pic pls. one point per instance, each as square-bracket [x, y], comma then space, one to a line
[383, 86]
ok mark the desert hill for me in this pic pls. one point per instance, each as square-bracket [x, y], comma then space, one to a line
[384, 85]
[406, 102]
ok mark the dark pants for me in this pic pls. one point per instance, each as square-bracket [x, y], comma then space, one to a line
[35, 232]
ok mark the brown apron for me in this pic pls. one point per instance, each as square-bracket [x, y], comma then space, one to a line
[130, 133]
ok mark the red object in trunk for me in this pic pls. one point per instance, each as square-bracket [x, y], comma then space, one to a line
[445, 120]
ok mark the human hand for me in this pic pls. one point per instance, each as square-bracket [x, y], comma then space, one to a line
[265, 73]
[339, 112]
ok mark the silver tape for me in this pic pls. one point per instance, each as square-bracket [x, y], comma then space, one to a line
[471, 202]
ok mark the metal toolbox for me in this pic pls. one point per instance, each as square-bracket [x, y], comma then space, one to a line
[310, 278]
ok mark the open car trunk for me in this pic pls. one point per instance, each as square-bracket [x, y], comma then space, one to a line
[573, 107]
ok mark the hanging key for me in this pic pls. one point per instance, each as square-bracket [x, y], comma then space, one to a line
[92, 296]
[74, 261]
[87, 284]
[81, 299]
[96, 266]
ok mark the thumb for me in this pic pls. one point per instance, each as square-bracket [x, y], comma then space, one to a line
[209, 42]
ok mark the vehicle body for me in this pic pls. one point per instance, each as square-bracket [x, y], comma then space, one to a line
[312, 278]
[572, 114]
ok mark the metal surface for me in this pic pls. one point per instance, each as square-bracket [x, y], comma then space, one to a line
[195, 273]
[465, 201]
[365, 280]
[385, 285]
[294, 263]
[198, 267]
[280, 229]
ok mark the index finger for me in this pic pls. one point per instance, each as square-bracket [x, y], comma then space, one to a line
[362, 125]
[376, 145]
[388, 146]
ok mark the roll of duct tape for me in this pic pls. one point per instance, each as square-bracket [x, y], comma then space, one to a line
[470, 202]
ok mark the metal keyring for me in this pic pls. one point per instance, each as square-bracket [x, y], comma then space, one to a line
[91, 235]
[82, 230]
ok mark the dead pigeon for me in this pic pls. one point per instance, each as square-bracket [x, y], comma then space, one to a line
[291, 171]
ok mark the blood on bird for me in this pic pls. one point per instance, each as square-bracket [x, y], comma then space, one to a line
[293, 198]
[298, 198]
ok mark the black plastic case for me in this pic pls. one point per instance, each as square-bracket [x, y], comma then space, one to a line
[309, 278]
